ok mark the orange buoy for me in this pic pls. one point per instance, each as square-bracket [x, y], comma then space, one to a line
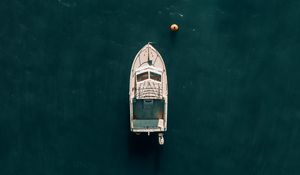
[174, 27]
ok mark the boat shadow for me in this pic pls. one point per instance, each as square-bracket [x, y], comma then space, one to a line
[143, 144]
[146, 149]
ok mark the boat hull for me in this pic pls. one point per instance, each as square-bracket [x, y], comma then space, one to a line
[148, 92]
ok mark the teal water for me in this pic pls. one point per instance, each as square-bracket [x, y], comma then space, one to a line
[233, 71]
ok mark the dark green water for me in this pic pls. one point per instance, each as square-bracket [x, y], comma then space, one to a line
[234, 81]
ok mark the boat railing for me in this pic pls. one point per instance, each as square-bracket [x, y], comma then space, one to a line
[149, 93]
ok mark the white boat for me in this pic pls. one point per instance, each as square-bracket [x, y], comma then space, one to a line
[148, 93]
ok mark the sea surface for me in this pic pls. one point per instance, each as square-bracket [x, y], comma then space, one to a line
[234, 87]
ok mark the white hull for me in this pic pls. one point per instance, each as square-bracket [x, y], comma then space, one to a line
[148, 92]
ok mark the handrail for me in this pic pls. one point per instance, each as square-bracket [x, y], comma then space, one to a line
[149, 93]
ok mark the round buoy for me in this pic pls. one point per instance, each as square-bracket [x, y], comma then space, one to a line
[174, 27]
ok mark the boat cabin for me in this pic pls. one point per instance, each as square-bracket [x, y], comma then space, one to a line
[148, 73]
[148, 93]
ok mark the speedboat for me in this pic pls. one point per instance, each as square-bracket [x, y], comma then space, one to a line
[148, 93]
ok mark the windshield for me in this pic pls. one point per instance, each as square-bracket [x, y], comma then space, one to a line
[155, 76]
[142, 76]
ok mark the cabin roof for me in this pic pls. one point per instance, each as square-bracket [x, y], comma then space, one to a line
[148, 68]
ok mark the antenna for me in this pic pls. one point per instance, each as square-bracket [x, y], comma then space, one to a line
[148, 52]
[149, 61]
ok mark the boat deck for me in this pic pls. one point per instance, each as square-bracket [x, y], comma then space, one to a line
[145, 109]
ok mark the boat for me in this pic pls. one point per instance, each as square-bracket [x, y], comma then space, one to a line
[148, 93]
